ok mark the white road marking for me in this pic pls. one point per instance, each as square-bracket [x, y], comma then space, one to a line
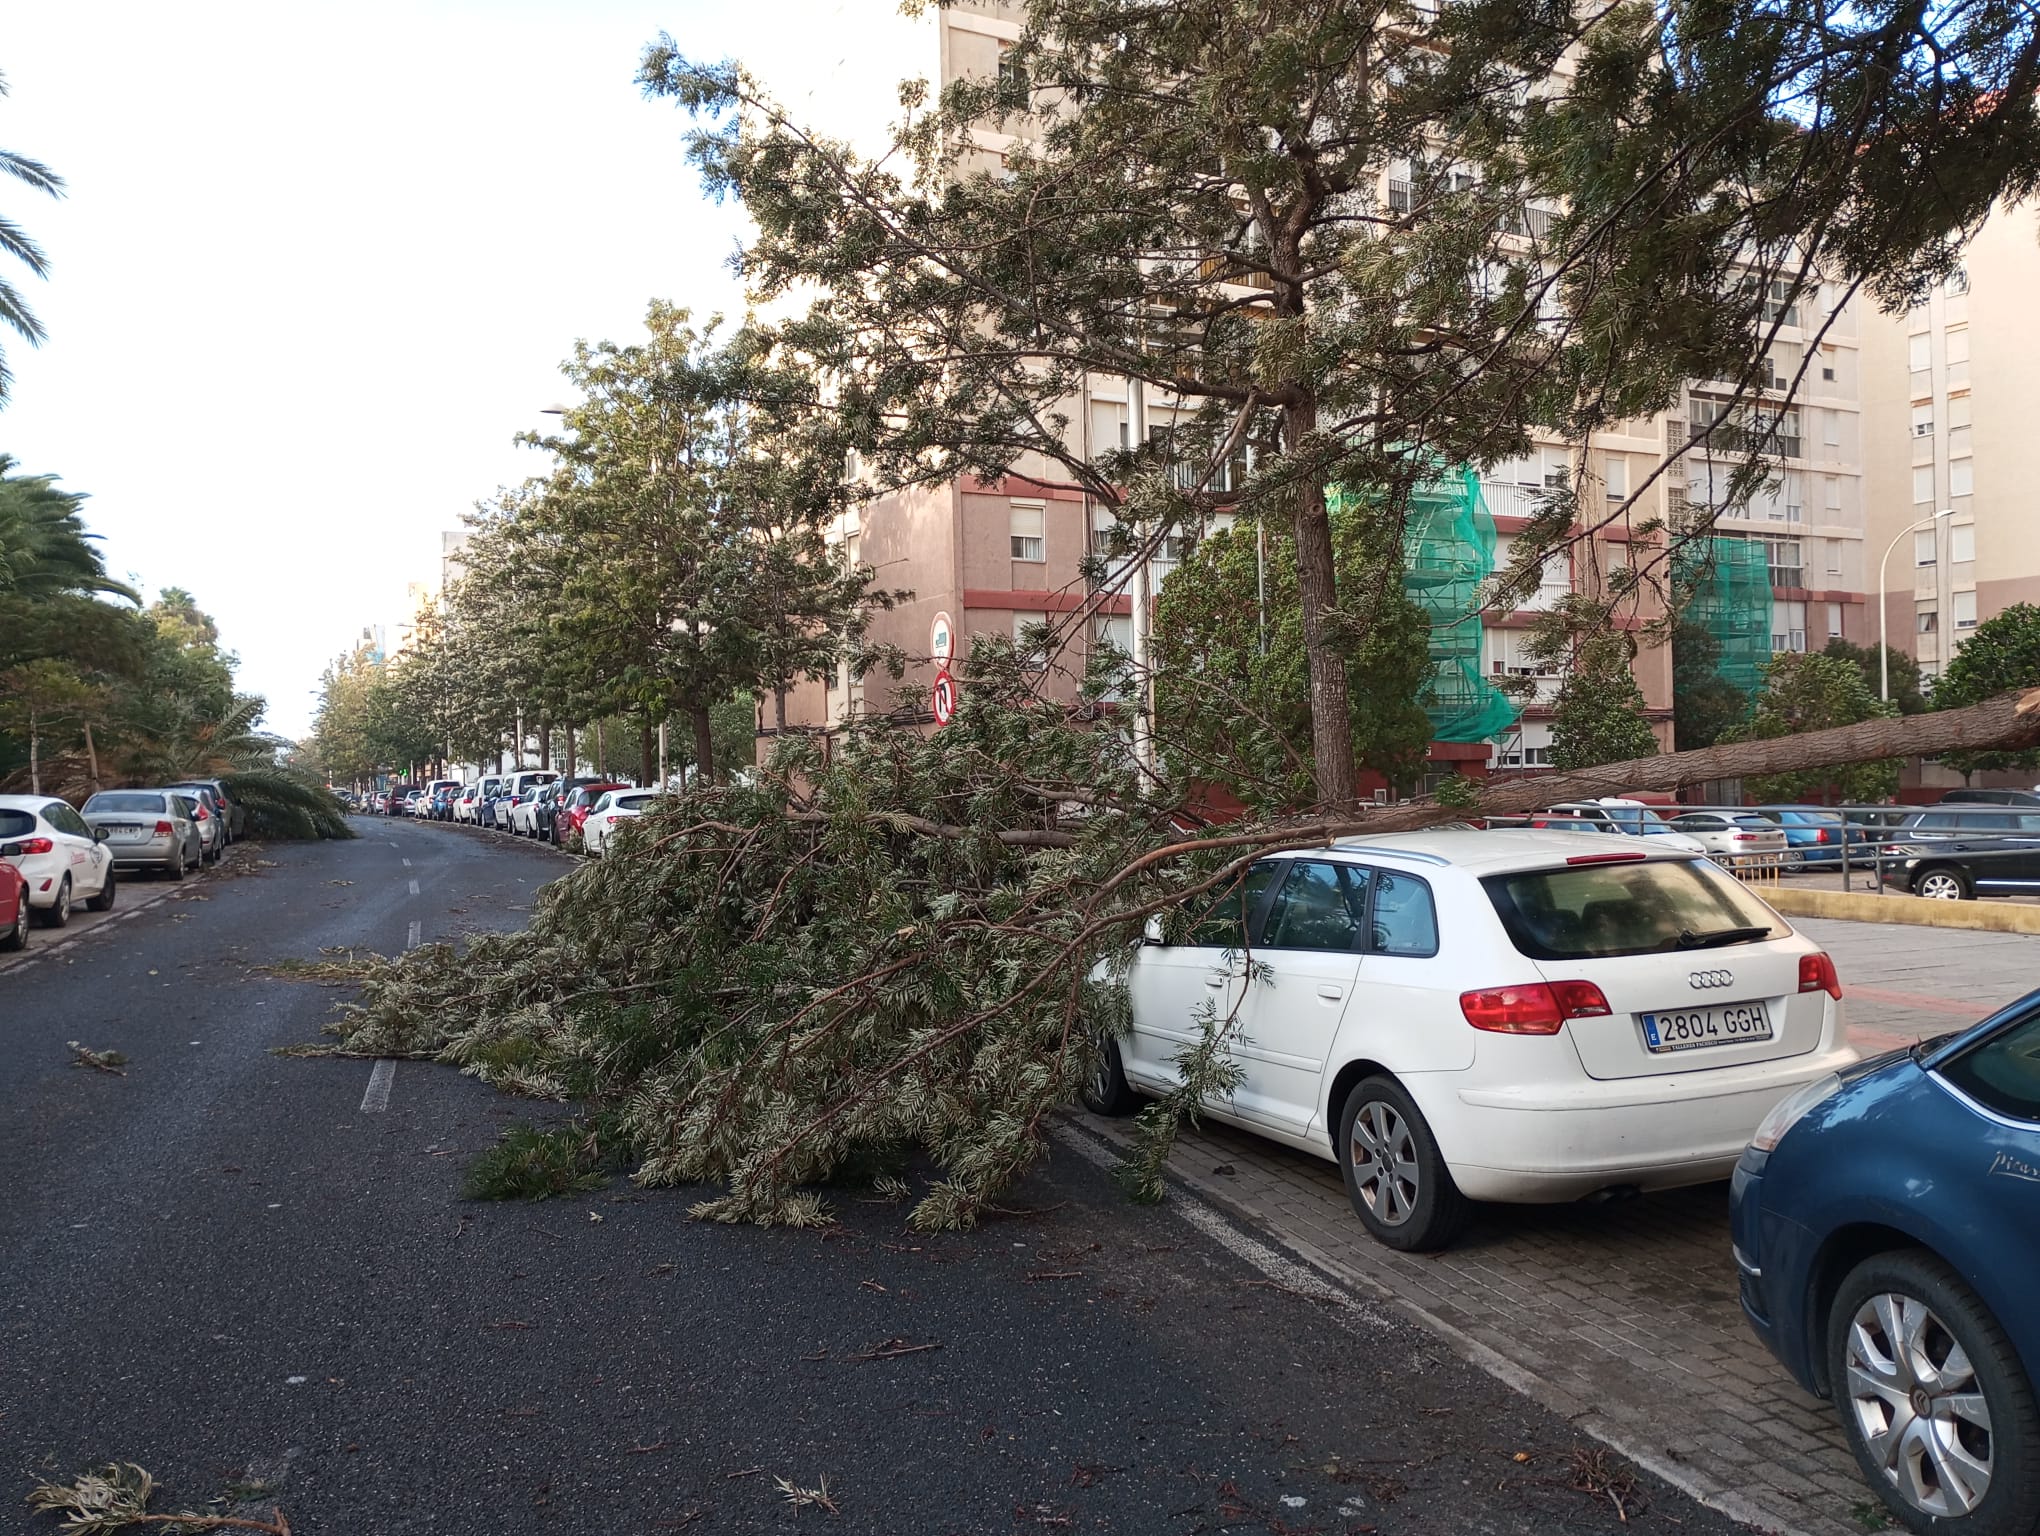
[395, 844]
[414, 887]
[417, 932]
[380, 1080]
[407, 863]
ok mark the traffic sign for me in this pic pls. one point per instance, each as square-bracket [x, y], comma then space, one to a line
[941, 640]
[942, 697]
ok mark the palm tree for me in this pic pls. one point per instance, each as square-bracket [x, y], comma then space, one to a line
[45, 551]
[14, 310]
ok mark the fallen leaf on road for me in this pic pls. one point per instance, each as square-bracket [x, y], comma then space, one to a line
[891, 1349]
[109, 1062]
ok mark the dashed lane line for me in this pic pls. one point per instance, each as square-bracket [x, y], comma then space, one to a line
[414, 887]
[381, 1078]
[417, 932]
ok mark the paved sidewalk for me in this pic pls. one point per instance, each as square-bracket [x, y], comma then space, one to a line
[1623, 1316]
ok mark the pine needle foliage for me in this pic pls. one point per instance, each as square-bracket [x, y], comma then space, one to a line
[287, 805]
[534, 1162]
[907, 947]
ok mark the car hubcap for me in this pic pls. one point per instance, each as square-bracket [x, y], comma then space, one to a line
[1385, 1162]
[1941, 888]
[1919, 1405]
[1101, 1079]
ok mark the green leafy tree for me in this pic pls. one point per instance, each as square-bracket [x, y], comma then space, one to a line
[1903, 669]
[1232, 689]
[1706, 706]
[37, 698]
[2003, 652]
[1359, 242]
[1598, 717]
[1805, 693]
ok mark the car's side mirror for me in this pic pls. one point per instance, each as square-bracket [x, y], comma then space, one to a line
[1151, 933]
[100, 834]
[10, 850]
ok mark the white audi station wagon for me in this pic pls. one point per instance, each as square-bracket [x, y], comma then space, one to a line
[1466, 1015]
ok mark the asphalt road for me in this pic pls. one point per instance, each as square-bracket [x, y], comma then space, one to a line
[232, 1268]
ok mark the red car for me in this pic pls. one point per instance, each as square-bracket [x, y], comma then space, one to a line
[567, 823]
[13, 908]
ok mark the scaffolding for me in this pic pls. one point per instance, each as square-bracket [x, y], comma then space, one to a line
[1725, 585]
[1448, 552]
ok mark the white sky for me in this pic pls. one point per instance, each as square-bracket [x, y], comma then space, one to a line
[319, 263]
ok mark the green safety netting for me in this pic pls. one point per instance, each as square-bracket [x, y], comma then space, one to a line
[1726, 585]
[1448, 551]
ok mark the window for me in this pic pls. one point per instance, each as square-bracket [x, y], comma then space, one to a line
[1616, 474]
[1225, 925]
[1320, 906]
[1834, 611]
[1831, 493]
[1827, 375]
[1595, 911]
[1834, 557]
[1787, 569]
[1831, 433]
[1917, 355]
[1958, 344]
[1923, 420]
[1778, 303]
[1962, 541]
[2002, 1072]
[1965, 610]
[1012, 73]
[1929, 622]
[1028, 643]
[1923, 483]
[1961, 477]
[1957, 282]
[1028, 542]
[1925, 547]
[1405, 921]
[1958, 410]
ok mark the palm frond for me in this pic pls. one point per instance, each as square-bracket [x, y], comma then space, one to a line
[31, 172]
[16, 242]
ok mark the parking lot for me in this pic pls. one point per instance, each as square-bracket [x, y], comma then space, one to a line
[1623, 1316]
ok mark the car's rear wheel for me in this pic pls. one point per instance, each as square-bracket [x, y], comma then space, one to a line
[175, 868]
[1933, 1399]
[1943, 884]
[1106, 1091]
[1395, 1175]
[59, 913]
[16, 937]
[103, 902]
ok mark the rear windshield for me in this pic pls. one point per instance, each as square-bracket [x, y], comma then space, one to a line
[633, 802]
[126, 800]
[1753, 823]
[15, 824]
[1598, 911]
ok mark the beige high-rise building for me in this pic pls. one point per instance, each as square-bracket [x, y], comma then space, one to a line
[1951, 388]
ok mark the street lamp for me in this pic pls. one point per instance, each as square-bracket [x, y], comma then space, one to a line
[1883, 644]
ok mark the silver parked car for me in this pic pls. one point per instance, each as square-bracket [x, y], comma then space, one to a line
[1736, 837]
[210, 814]
[147, 829]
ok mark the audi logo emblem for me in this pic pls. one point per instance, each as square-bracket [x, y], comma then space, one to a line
[1704, 979]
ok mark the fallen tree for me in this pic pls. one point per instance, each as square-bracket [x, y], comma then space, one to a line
[908, 946]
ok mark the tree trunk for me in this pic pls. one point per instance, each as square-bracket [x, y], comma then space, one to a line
[34, 754]
[570, 751]
[2006, 723]
[1331, 722]
[779, 709]
[92, 757]
[647, 753]
[704, 745]
[544, 742]
[601, 752]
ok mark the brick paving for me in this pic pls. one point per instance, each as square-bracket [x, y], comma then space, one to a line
[1623, 1316]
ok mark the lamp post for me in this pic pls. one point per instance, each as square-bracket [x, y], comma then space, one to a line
[1884, 644]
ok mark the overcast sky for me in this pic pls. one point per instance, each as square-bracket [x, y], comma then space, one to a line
[318, 264]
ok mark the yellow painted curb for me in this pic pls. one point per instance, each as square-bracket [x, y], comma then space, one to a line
[1869, 907]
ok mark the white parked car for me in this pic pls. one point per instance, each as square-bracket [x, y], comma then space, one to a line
[524, 814]
[62, 859]
[1463, 1015]
[614, 806]
[1736, 837]
[519, 787]
[1631, 817]
[468, 807]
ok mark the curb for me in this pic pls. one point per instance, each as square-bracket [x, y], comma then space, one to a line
[1870, 907]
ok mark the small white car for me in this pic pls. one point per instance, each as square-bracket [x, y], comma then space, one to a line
[1735, 837]
[1630, 817]
[1509, 1015]
[62, 859]
[468, 807]
[518, 787]
[524, 814]
[614, 806]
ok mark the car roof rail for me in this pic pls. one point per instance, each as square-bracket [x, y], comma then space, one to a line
[1350, 845]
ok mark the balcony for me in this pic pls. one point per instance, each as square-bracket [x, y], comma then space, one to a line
[1507, 499]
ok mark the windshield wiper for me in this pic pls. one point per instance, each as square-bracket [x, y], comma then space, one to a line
[1716, 937]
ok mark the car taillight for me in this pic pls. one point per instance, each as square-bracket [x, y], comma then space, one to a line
[164, 829]
[1821, 835]
[1817, 974]
[1536, 1009]
[202, 816]
[37, 845]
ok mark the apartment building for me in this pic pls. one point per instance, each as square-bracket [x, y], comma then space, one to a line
[992, 558]
[1949, 395]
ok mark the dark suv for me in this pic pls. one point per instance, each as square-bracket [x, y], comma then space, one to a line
[1992, 797]
[1959, 852]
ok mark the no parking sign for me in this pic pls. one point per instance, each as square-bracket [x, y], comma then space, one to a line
[942, 697]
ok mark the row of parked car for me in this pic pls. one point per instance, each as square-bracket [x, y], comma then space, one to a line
[565, 810]
[54, 855]
[1975, 842]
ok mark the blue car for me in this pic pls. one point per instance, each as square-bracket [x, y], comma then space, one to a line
[1817, 835]
[1887, 1227]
